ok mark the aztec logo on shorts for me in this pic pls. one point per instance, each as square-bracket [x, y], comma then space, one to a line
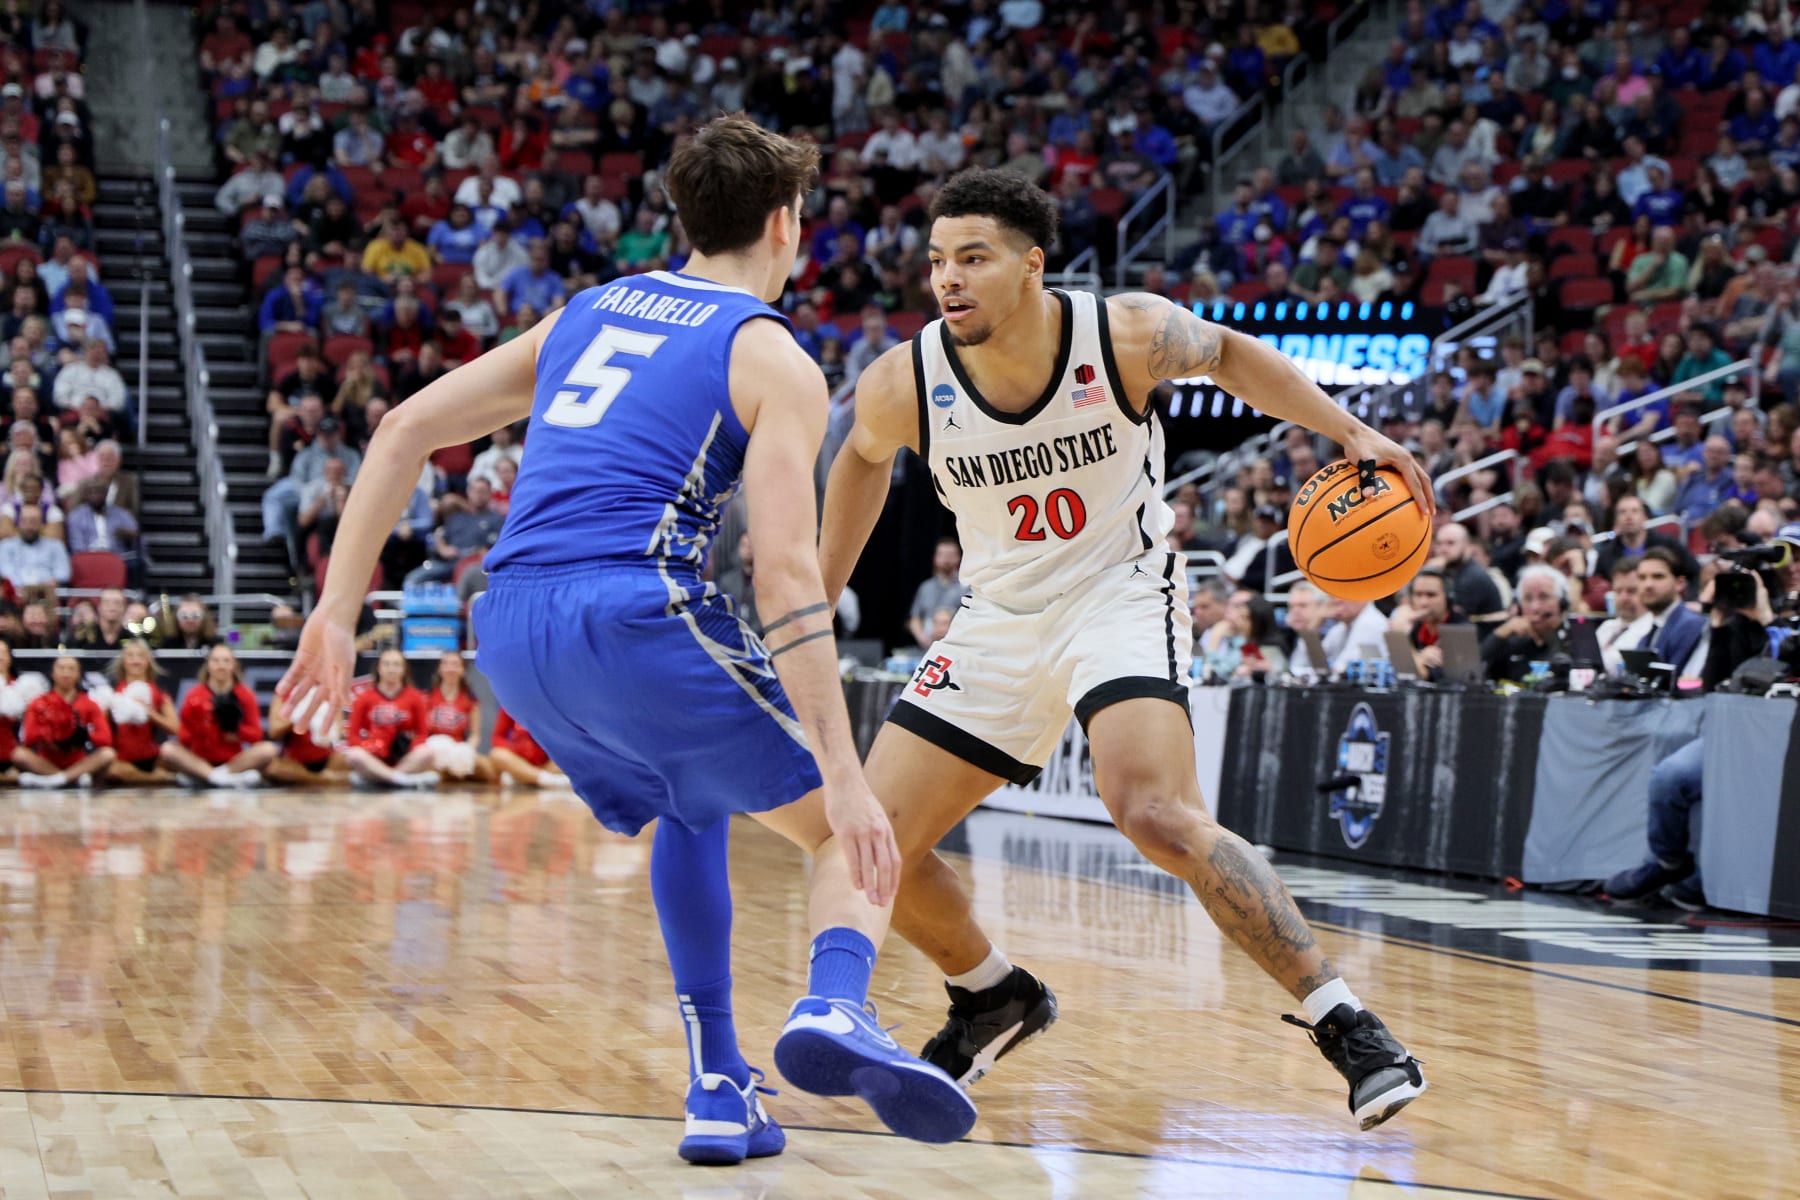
[1362, 764]
[933, 675]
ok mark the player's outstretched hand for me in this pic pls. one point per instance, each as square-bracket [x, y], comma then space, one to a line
[862, 828]
[316, 688]
[1365, 443]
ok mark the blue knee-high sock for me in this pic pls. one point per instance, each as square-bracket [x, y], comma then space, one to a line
[842, 961]
[690, 880]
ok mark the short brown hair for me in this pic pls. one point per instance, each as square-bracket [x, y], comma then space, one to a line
[730, 175]
[1667, 558]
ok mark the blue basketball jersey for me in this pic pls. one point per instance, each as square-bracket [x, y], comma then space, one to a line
[633, 446]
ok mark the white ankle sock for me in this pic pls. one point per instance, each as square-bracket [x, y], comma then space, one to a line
[222, 776]
[27, 779]
[554, 780]
[1327, 997]
[991, 972]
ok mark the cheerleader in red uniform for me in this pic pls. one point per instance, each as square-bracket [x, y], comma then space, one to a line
[13, 699]
[222, 741]
[386, 730]
[517, 756]
[139, 708]
[302, 762]
[453, 723]
[65, 737]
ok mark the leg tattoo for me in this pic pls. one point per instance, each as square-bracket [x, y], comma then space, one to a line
[1246, 899]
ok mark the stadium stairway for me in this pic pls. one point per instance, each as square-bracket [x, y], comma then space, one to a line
[128, 237]
[223, 312]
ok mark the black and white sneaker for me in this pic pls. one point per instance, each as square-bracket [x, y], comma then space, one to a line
[983, 1026]
[1383, 1077]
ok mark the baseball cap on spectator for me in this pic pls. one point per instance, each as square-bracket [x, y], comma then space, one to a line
[67, 118]
[273, 201]
[12, 89]
[329, 424]
[1790, 533]
[75, 316]
[1531, 366]
[1538, 540]
[1756, 253]
[1267, 512]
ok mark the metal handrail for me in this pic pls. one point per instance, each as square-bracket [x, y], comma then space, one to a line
[1276, 540]
[1612, 535]
[1237, 122]
[1347, 22]
[1163, 225]
[221, 532]
[143, 389]
[1664, 435]
[1475, 510]
[1081, 272]
[1674, 389]
[1480, 464]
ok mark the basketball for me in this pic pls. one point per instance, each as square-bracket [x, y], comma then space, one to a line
[1356, 547]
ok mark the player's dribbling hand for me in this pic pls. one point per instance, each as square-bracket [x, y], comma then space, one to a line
[863, 830]
[1365, 444]
[316, 688]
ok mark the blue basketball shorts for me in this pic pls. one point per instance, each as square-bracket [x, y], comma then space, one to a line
[653, 707]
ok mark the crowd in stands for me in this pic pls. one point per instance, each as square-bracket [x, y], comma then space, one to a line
[64, 503]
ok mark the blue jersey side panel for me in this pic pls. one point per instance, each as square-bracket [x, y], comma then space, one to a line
[643, 483]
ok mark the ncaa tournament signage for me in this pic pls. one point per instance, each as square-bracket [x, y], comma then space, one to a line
[1341, 346]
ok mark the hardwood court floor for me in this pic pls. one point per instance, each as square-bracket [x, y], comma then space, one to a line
[457, 995]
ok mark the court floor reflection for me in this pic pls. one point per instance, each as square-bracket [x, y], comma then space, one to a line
[463, 994]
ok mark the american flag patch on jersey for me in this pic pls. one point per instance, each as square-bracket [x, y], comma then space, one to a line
[1093, 393]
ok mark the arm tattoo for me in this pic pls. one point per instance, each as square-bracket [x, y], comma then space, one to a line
[808, 611]
[1184, 346]
[799, 641]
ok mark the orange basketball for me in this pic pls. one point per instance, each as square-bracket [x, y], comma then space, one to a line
[1358, 548]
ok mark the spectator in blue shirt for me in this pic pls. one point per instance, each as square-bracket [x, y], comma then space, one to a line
[1265, 203]
[1153, 141]
[1756, 125]
[1704, 489]
[1679, 62]
[293, 306]
[1685, 449]
[1776, 56]
[1236, 223]
[1443, 19]
[456, 238]
[837, 222]
[1363, 205]
[1662, 203]
[1723, 67]
[1246, 68]
[534, 284]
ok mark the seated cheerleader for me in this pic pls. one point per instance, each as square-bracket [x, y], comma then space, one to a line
[16, 691]
[302, 761]
[386, 729]
[518, 757]
[222, 740]
[139, 709]
[65, 738]
[453, 723]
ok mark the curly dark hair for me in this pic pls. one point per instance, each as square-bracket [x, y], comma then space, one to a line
[1006, 196]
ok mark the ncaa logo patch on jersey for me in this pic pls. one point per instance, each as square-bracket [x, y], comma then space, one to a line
[943, 395]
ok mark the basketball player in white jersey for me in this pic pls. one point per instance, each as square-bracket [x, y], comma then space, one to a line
[1032, 408]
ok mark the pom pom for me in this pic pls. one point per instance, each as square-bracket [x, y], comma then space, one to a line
[12, 702]
[103, 698]
[126, 710]
[451, 756]
[31, 685]
[140, 692]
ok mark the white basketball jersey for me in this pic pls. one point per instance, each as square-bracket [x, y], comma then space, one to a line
[1051, 496]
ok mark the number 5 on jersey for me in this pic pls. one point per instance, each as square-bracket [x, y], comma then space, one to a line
[601, 384]
[1062, 509]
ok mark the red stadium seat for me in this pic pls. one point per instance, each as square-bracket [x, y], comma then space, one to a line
[1665, 317]
[284, 348]
[906, 323]
[1571, 237]
[1574, 341]
[263, 272]
[1247, 290]
[578, 163]
[464, 564]
[360, 179]
[10, 256]
[627, 162]
[1453, 269]
[402, 181]
[96, 569]
[1574, 266]
[852, 139]
[1108, 202]
[340, 346]
[847, 323]
[448, 275]
[1586, 293]
[1565, 171]
[488, 116]
[1612, 237]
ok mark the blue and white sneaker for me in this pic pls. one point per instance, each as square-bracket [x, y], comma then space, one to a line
[835, 1048]
[727, 1124]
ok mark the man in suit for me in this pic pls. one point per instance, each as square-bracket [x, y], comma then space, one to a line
[1677, 634]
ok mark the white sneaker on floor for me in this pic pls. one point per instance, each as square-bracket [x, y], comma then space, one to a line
[28, 780]
[554, 780]
[85, 782]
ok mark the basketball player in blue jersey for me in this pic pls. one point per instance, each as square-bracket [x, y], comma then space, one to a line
[651, 398]
[1033, 410]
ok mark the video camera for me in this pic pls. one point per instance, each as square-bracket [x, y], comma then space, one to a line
[1735, 590]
